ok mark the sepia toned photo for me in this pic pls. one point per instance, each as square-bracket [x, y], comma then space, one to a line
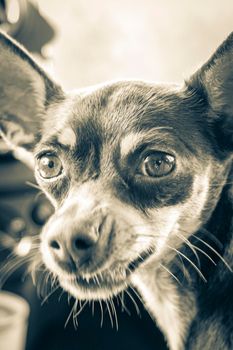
[116, 198]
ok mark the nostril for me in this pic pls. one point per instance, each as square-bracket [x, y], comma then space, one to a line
[54, 244]
[82, 244]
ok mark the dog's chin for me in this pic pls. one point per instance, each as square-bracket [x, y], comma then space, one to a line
[105, 284]
[98, 287]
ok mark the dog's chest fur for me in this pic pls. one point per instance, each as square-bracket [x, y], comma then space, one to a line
[171, 310]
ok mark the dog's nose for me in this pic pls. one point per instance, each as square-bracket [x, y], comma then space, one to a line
[71, 250]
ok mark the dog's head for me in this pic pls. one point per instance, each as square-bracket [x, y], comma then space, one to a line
[132, 168]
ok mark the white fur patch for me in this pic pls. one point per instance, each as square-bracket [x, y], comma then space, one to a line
[67, 137]
[162, 301]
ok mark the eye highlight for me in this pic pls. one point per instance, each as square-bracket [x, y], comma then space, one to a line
[49, 166]
[157, 164]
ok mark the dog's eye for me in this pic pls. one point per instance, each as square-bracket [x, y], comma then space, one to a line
[49, 166]
[157, 164]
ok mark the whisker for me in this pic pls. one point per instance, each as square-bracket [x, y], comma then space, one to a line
[93, 308]
[102, 313]
[114, 313]
[123, 306]
[194, 248]
[75, 315]
[49, 294]
[133, 301]
[210, 235]
[81, 309]
[190, 261]
[61, 295]
[109, 313]
[190, 245]
[215, 251]
[70, 314]
[11, 266]
[186, 274]
[170, 273]
[204, 253]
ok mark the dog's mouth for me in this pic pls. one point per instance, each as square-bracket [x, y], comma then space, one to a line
[115, 278]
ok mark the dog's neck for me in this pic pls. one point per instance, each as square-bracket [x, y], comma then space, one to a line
[174, 293]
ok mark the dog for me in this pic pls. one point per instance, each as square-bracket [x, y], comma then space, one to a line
[140, 176]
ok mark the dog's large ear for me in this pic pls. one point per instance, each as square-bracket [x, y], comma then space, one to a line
[25, 94]
[214, 83]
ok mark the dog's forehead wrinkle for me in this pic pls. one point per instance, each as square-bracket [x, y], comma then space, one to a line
[113, 109]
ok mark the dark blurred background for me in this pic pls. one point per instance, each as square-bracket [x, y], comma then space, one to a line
[82, 42]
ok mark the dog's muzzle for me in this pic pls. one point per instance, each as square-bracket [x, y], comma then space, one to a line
[76, 246]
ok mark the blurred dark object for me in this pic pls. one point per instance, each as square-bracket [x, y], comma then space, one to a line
[22, 20]
[23, 210]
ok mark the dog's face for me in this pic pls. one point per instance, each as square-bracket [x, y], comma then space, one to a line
[128, 176]
[132, 168]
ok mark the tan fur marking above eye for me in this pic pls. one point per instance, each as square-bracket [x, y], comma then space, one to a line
[67, 137]
[132, 140]
[129, 143]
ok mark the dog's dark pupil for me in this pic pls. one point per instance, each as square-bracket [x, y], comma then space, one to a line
[154, 164]
[158, 162]
[158, 165]
[51, 164]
